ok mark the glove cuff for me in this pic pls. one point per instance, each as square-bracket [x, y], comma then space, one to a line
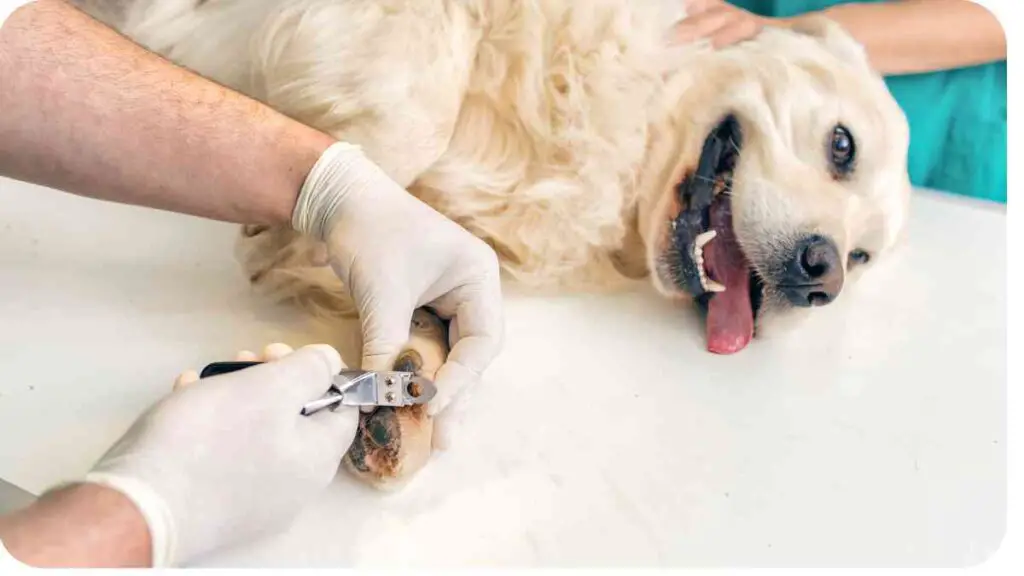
[341, 169]
[162, 532]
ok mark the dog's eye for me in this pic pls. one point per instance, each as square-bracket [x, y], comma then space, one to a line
[858, 256]
[842, 150]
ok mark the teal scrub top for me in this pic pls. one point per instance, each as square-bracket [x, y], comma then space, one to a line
[957, 117]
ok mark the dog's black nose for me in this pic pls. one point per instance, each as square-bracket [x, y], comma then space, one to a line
[813, 273]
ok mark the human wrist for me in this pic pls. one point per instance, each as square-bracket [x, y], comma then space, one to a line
[342, 171]
[79, 526]
[305, 146]
[150, 506]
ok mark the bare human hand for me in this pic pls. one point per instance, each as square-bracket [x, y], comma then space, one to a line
[718, 21]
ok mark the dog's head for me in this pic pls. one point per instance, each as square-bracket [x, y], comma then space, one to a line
[779, 172]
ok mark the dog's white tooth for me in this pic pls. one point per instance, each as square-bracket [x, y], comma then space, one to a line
[704, 237]
[708, 284]
[700, 241]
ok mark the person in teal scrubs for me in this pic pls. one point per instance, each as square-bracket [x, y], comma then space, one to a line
[943, 60]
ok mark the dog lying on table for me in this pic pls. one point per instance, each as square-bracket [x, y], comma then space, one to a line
[755, 181]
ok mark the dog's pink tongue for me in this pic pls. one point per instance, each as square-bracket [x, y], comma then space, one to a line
[730, 321]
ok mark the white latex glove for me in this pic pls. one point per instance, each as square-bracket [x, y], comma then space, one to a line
[395, 254]
[229, 458]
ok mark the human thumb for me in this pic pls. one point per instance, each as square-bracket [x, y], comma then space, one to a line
[306, 373]
[337, 427]
[385, 331]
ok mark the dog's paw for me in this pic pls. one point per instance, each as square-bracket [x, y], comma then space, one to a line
[285, 266]
[393, 444]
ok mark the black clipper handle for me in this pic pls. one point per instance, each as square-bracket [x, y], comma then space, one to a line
[218, 368]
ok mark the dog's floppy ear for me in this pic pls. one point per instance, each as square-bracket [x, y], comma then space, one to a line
[833, 37]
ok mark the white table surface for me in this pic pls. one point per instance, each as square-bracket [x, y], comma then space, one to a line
[604, 435]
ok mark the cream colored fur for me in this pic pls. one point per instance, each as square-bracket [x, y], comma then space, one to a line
[554, 130]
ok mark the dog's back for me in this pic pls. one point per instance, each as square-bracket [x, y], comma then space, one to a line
[524, 121]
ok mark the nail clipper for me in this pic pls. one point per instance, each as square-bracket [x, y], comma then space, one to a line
[355, 388]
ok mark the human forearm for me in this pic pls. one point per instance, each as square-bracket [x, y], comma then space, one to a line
[87, 111]
[82, 526]
[912, 36]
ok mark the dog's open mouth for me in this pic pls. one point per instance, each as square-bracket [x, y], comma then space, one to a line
[712, 265]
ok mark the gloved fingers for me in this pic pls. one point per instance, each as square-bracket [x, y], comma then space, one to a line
[185, 378]
[271, 352]
[305, 374]
[448, 424]
[334, 429]
[385, 330]
[452, 379]
[476, 335]
[246, 356]
[276, 351]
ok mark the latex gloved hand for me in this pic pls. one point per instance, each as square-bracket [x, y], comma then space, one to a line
[229, 457]
[395, 254]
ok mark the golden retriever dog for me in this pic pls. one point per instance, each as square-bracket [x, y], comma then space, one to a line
[754, 181]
